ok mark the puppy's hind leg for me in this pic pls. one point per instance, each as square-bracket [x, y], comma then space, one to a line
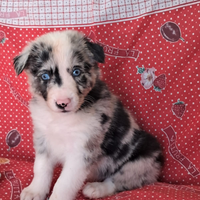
[99, 189]
[135, 174]
[130, 176]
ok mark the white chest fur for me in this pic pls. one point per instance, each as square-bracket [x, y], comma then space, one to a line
[63, 133]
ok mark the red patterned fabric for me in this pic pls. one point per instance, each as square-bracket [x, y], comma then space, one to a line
[152, 64]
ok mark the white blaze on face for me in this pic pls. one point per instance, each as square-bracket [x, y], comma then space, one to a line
[66, 93]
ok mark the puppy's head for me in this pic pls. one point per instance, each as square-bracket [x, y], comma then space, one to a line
[62, 68]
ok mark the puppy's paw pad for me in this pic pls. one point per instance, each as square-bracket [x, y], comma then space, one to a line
[93, 190]
[29, 194]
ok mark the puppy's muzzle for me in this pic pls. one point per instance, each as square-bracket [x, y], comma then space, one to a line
[62, 103]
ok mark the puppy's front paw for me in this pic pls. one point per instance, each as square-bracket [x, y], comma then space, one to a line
[29, 193]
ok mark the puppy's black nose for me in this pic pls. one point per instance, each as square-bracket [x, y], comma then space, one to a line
[62, 103]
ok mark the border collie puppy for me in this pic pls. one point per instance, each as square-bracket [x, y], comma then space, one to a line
[80, 124]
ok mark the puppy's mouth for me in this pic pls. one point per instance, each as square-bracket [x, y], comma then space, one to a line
[65, 111]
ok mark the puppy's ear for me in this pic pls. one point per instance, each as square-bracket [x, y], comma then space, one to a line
[97, 51]
[20, 61]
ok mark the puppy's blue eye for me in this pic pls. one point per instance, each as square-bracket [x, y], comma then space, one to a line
[76, 72]
[45, 77]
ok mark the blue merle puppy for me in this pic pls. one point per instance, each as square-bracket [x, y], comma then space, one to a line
[80, 124]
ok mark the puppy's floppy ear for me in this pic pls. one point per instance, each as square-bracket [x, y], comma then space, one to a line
[97, 51]
[21, 60]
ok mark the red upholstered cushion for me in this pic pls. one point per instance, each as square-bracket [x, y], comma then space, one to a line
[18, 174]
